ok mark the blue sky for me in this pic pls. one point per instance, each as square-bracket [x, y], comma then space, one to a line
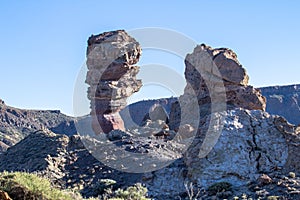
[43, 43]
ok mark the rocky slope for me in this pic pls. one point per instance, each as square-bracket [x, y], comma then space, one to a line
[16, 123]
[284, 101]
[254, 155]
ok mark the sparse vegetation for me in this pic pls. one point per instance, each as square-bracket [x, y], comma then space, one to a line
[30, 186]
[104, 186]
[190, 190]
[219, 187]
[136, 192]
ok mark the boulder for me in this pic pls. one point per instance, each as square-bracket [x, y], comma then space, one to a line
[157, 112]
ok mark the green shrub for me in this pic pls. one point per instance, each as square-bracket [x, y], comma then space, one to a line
[136, 192]
[32, 186]
[219, 187]
[104, 185]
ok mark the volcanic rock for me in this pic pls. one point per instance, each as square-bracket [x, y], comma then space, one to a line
[251, 144]
[215, 75]
[111, 77]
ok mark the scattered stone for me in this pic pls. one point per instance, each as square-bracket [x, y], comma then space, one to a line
[264, 180]
[118, 135]
[292, 175]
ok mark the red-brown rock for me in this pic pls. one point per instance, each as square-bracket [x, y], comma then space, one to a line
[111, 77]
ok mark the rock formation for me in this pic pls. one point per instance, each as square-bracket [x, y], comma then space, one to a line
[254, 153]
[229, 77]
[111, 77]
[283, 101]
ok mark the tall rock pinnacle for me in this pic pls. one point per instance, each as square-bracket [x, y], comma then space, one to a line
[111, 77]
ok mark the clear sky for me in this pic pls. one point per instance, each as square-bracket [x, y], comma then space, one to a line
[43, 43]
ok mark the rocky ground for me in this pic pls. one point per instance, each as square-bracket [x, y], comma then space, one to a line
[67, 163]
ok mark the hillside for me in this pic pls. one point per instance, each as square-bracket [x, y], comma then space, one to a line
[283, 101]
[15, 124]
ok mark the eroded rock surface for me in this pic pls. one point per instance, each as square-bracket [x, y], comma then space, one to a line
[210, 75]
[111, 59]
[250, 144]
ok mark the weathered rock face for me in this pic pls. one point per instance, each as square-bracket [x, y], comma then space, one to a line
[228, 77]
[231, 72]
[251, 143]
[111, 76]
[283, 101]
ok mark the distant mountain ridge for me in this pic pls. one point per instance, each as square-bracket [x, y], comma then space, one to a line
[15, 124]
[284, 101]
[281, 100]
